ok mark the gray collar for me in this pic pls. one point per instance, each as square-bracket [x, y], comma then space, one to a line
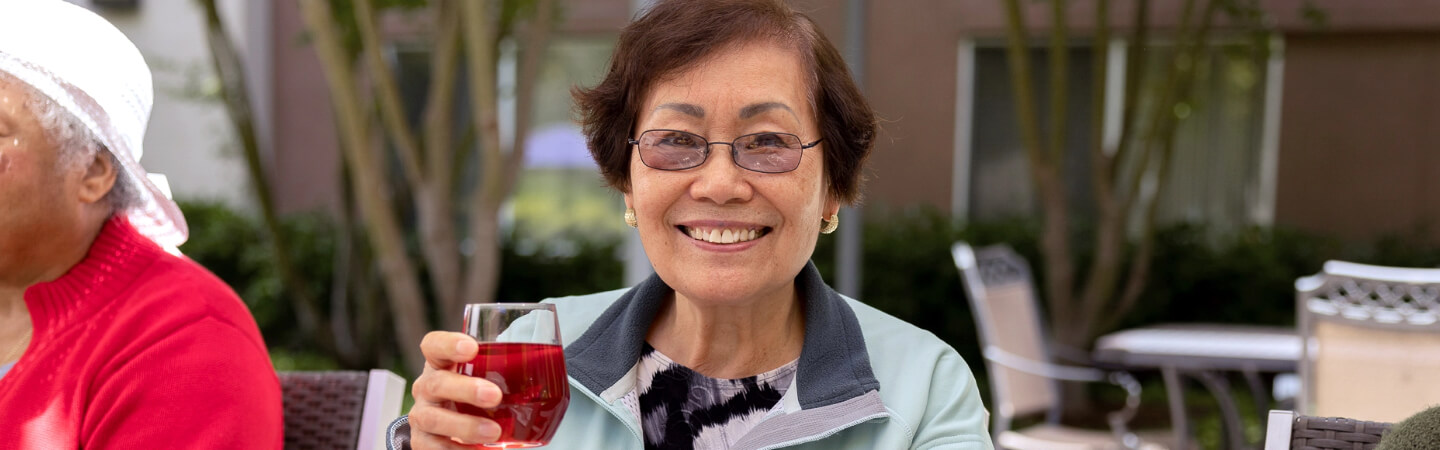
[834, 364]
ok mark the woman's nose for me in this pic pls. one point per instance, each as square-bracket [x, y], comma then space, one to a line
[719, 180]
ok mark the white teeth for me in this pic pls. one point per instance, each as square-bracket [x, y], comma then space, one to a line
[723, 236]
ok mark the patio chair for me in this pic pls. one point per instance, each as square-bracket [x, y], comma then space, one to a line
[1286, 430]
[1372, 341]
[340, 409]
[1023, 380]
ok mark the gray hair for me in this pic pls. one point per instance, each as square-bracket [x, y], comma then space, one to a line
[78, 145]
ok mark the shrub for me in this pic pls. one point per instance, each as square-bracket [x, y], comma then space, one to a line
[235, 247]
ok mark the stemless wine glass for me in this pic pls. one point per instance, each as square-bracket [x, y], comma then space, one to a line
[520, 352]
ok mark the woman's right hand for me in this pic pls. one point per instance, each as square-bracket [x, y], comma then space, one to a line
[434, 423]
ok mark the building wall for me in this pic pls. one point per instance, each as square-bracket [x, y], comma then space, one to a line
[1359, 104]
[306, 159]
[189, 138]
[911, 80]
[1359, 141]
[910, 75]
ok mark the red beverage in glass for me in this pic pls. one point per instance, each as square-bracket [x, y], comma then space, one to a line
[535, 392]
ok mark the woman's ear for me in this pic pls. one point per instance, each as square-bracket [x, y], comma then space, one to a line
[832, 207]
[99, 178]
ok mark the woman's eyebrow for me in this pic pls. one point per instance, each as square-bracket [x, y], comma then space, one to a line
[688, 109]
[757, 108]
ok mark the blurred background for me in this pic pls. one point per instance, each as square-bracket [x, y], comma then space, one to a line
[356, 169]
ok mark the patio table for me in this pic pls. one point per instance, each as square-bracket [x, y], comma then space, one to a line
[1205, 351]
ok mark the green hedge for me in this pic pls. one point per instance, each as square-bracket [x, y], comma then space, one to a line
[235, 248]
[1199, 275]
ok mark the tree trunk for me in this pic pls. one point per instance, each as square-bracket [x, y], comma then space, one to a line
[235, 93]
[500, 169]
[478, 34]
[407, 303]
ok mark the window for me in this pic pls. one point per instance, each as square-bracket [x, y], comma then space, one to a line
[1223, 171]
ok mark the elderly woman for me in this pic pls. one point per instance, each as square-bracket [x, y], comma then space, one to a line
[735, 133]
[106, 340]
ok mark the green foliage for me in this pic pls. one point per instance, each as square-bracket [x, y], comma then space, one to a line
[1247, 277]
[570, 264]
[233, 246]
[1420, 431]
[344, 13]
[560, 203]
[288, 361]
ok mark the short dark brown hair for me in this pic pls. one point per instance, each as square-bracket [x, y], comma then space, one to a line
[656, 45]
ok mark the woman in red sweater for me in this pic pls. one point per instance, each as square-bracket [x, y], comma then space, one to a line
[106, 339]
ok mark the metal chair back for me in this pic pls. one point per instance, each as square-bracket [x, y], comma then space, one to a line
[1002, 298]
[339, 409]
[1372, 341]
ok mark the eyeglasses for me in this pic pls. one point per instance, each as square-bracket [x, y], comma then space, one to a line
[761, 152]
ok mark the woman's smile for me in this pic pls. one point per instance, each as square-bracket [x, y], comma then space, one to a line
[723, 236]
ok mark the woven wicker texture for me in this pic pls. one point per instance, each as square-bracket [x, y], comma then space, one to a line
[1332, 433]
[323, 409]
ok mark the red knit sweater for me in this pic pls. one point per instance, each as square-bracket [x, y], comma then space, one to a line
[136, 349]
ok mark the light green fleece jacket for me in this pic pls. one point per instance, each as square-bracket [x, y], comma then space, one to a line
[865, 380]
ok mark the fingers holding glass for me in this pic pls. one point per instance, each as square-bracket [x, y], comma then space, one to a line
[433, 427]
[445, 349]
[437, 387]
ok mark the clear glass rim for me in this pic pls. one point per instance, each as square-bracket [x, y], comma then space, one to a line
[499, 305]
[491, 322]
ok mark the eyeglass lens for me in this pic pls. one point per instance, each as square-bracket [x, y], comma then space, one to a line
[760, 152]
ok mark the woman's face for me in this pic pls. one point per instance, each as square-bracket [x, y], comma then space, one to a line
[34, 191]
[750, 88]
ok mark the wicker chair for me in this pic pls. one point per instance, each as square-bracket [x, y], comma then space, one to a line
[1023, 380]
[1372, 338]
[341, 409]
[1289, 431]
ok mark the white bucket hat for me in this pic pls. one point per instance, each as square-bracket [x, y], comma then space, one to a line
[90, 69]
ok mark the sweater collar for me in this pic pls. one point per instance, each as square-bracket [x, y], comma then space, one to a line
[115, 259]
[834, 363]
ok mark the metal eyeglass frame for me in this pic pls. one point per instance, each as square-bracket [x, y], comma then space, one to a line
[734, 156]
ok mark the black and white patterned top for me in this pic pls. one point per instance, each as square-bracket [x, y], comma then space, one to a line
[682, 409]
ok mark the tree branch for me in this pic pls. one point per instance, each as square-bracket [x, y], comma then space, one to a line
[1109, 230]
[536, 39]
[236, 95]
[1059, 269]
[392, 111]
[1140, 266]
[1135, 61]
[1018, 50]
[440, 103]
[1164, 114]
[1059, 81]
[479, 37]
[367, 179]
[435, 200]
[1100, 164]
[1164, 109]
